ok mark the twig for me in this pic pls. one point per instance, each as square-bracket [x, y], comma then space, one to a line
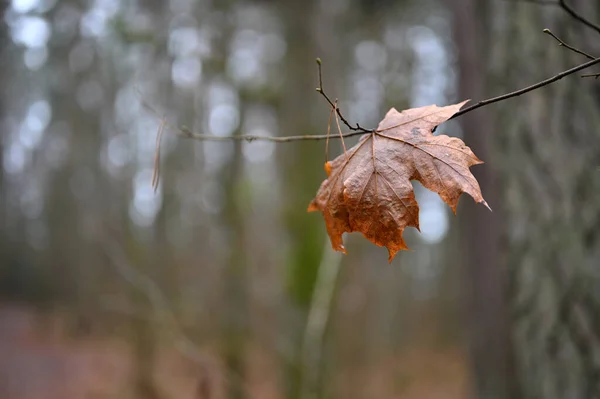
[568, 9]
[591, 75]
[186, 132]
[320, 89]
[563, 44]
[527, 89]
[578, 16]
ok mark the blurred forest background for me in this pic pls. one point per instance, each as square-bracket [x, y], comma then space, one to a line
[220, 285]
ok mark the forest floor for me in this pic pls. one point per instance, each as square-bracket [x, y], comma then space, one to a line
[39, 361]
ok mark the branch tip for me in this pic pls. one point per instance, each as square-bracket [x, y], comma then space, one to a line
[563, 44]
[320, 89]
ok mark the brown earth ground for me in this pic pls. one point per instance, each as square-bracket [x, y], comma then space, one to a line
[39, 361]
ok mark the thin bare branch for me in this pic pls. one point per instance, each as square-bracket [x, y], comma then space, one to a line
[571, 11]
[563, 44]
[566, 7]
[186, 132]
[591, 75]
[527, 89]
[320, 89]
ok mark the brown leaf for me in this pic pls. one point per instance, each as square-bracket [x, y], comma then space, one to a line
[368, 188]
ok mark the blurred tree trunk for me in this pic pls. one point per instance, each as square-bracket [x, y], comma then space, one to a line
[546, 150]
[151, 255]
[302, 170]
[5, 257]
[235, 295]
[550, 152]
[4, 41]
[234, 280]
[486, 311]
[65, 205]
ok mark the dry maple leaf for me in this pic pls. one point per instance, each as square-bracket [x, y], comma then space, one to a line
[368, 188]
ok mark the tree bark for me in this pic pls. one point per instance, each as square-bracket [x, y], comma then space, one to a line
[550, 152]
[545, 147]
